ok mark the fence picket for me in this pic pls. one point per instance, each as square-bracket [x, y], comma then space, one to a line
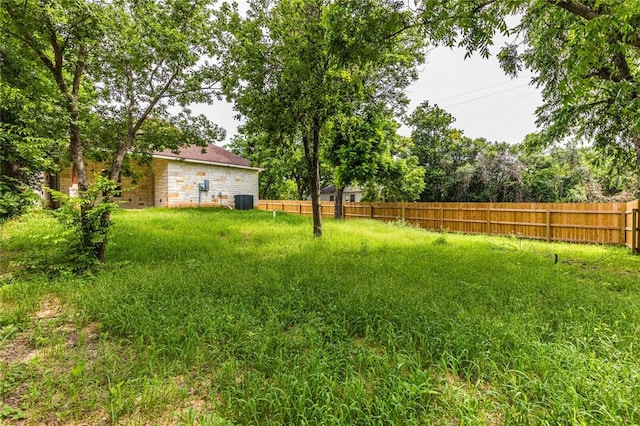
[601, 223]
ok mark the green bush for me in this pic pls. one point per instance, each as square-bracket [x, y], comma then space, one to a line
[14, 198]
[87, 219]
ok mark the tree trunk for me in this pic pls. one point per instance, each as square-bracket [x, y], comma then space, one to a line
[635, 137]
[100, 248]
[75, 141]
[311, 153]
[77, 157]
[105, 218]
[299, 186]
[75, 148]
[46, 195]
[338, 202]
[314, 183]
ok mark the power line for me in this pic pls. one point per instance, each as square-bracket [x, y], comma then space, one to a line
[486, 96]
[482, 88]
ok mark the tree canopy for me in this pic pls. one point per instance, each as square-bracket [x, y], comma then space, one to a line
[586, 64]
[153, 64]
[459, 168]
[31, 140]
[295, 65]
[584, 55]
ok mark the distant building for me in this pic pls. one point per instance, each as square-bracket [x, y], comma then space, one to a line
[351, 193]
[195, 176]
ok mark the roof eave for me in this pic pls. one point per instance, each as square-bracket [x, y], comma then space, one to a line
[213, 163]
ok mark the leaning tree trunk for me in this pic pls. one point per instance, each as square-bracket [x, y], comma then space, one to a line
[338, 202]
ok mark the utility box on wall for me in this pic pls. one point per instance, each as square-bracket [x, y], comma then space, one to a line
[243, 202]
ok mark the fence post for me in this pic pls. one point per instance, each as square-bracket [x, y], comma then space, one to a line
[371, 211]
[300, 208]
[548, 226]
[441, 218]
[403, 215]
[343, 211]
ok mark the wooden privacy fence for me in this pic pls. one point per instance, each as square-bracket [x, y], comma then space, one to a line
[601, 223]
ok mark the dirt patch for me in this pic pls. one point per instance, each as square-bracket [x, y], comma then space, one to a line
[3, 305]
[192, 408]
[494, 418]
[49, 309]
[18, 350]
[98, 418]
[85, 338]
[21, 348]
[54, 346]
[13, 399]
[196, 405]
[454, 379]
[480, 389]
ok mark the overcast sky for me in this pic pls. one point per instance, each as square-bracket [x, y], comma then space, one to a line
[485, 102]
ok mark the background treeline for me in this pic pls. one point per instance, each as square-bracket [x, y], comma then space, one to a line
[439, 163]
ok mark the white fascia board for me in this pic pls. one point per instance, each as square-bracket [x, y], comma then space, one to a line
[188, 160]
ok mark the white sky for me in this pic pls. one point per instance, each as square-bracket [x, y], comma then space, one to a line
[485, 102]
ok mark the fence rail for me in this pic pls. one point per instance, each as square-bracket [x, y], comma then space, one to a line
[601, 223]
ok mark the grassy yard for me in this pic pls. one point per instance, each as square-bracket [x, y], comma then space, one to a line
[221, 317]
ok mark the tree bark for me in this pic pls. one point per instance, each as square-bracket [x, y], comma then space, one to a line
[70, 91]
[299, 186]
[71, 95]
[311, 153]
[75, 140]
[100, 248]
[338, 202]
[635, 138]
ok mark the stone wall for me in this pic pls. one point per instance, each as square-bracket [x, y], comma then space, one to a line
[161, 177]
[225, 182]
[137, 192]
[173, 183]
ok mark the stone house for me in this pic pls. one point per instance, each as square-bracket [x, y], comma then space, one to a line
[195, 176]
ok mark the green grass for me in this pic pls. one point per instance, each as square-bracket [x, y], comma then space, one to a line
[215, 317]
